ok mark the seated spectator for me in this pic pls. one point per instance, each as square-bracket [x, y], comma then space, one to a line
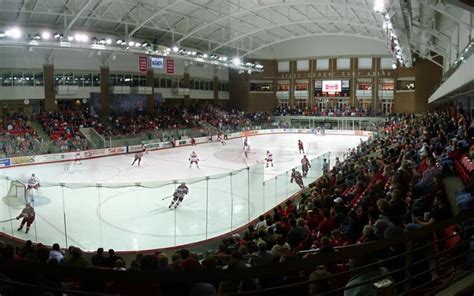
[56, 253]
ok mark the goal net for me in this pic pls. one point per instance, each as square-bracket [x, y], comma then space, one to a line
[16, 195]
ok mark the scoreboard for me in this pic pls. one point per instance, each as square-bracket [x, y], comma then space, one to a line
[332, 88]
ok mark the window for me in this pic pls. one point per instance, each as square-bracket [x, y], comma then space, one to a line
[87, 79]
[191, 83]
[28, 76]
[168, 83]
[38, 79]
[96, 79]
[69, 79]
[156, 82]
[18, 79]
[7, 78]
[78, 79]
[163, 82]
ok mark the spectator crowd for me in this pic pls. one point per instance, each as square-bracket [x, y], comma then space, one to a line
[390, 184]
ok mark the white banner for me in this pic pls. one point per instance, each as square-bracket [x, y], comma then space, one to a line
[157, 63]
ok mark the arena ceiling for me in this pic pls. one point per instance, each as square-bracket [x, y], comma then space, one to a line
[244, 27]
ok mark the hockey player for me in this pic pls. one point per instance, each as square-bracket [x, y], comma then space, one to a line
[193, 158]
[295, 175]
[33, 183]
[28, 215]
[220, 139]
[269, 158]
[300, 146]
[178, 195]
[305, 165]
[77, 157]
[247, 151]
[193, 142]
[138, 156]
[246, 143]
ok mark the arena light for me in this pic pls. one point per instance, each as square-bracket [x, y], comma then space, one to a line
[236, 61]
[224, 59]
[379, 5]
[205, 56]
[81, 37]
[58, 35]
[14, 33]
[45, 35]
[131, 43]
[108, 41]
[37, 37]
[119, 42]
[175, 49]
[70, 38]
[394, 65]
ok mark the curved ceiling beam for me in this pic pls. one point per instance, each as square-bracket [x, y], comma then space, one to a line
[254, 9]
[311, 35]
[248, 34]
[161, 10]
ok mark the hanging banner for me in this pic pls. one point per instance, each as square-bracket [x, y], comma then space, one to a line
[143, 63]
[169, 66]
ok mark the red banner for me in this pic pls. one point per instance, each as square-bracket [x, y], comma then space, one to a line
[169, 66]
[143, 63]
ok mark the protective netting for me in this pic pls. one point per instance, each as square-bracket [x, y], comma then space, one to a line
[135, 215]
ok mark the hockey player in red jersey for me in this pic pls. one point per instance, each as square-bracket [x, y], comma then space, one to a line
[300, 146]
[28, 215]
[305, 165]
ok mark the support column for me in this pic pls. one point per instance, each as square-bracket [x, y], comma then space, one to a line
[292, 100]
[49, 93]
[150, 98]
[104, 91]
[215, 88]
[375, 86]
[187, 98]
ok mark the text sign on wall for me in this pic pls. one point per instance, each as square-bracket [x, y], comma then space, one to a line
[169, 66]
[157, 63]
[143, 63]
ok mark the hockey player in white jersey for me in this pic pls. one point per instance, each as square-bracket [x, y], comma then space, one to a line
[178, 195]
[193, 158]
[269, 158]
[33, 183]
[77, 157]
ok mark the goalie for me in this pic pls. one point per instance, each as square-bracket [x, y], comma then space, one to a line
[33, 183]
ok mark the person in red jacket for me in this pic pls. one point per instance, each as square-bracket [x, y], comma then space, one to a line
[28, 215]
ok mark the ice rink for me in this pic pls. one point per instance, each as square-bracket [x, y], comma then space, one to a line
[100, 206]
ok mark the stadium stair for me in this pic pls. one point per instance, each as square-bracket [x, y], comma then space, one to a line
[207, 126]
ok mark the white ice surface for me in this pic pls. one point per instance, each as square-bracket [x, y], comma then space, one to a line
[133, 218]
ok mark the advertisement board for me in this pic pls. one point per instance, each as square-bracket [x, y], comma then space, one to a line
[157, 63]
[22, 160]
[4, 162]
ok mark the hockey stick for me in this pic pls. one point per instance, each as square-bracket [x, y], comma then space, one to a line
[307, 151]
[167, 197]
[8, 220]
